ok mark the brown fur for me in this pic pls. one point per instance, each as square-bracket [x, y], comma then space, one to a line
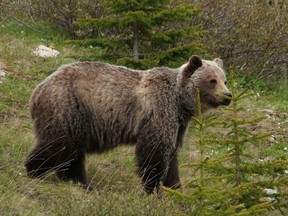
[93, 107]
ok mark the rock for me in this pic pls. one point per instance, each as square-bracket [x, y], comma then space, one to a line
[2, 76]
[270, 191]
[46, 52]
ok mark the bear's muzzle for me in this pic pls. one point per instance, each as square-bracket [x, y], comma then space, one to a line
[227, 99]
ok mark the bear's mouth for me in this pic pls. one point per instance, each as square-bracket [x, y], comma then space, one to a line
[216, 103]
[226, 99]
[226, 102]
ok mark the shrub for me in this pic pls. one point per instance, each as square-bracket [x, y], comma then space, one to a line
[59, 13]
[251, 35]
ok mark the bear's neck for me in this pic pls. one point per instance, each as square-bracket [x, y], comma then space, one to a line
[188, 105]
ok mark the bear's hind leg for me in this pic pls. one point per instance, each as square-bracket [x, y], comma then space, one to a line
[151, 177]
[38, 162]
[73, 170]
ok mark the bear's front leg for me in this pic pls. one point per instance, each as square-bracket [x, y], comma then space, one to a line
[153, 162]
[172, 179]
[151, 167]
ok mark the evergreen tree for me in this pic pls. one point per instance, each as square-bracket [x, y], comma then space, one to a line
[234, 183]
[144, 33]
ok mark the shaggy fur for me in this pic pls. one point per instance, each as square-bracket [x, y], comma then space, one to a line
[94, 107]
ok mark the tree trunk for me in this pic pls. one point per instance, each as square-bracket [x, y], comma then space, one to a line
[136, 41]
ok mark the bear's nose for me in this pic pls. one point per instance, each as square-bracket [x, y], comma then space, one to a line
[227, 101]
[228, 94]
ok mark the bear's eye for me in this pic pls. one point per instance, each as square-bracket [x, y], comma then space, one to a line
[213, 81]
[225, 82]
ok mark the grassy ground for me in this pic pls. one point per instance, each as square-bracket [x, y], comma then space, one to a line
[118, 189]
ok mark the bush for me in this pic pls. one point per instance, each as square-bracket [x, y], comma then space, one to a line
[251, 36]
[65, 12]
[60, 13]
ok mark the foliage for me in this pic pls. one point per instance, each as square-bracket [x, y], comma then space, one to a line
[142, 34]
[250, 35]
[65, 12]
[242, 185]
[59, 13]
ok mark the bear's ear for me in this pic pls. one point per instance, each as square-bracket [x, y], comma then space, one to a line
[219, 62]
[194, 63]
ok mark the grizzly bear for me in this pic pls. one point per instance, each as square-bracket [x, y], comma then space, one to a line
[94, 107]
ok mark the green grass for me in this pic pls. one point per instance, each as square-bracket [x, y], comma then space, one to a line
[118, 189]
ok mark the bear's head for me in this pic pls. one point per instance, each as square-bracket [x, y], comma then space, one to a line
[209, 77]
